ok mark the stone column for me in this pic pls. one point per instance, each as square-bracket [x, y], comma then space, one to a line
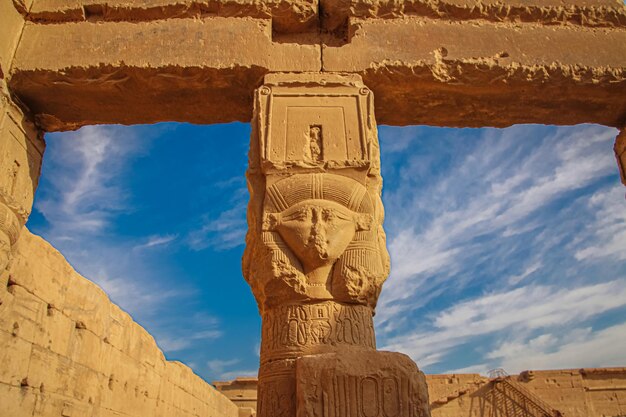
[21, 151]
[316, 256]
[620, 154]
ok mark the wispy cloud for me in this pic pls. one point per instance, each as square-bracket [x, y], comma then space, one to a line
[156, 240]
[580, 347]
[225, 231]
[86, 192]
[472, 217]
[225, 369]
[199, 330]
[516, 312]
[87, 165]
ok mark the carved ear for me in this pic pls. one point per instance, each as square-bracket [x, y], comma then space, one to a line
[270, 221]
[364, 222]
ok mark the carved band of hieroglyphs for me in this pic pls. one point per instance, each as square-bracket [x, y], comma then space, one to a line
[277, 389]
[291, 331]
[369, 396]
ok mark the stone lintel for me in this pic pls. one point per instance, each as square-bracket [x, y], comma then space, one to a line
[191, 70]
[292, 16]
[463, 74]
[442, 73]
[592, 13]
[287, 16]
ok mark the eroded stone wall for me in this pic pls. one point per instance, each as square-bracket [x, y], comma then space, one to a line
[66, 350]
[589, 392]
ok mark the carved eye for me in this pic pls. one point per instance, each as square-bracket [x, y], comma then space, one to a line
[301, 215]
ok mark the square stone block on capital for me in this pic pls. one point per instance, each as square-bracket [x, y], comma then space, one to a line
[360, 383]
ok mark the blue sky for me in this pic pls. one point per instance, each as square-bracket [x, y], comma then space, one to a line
[507, 245]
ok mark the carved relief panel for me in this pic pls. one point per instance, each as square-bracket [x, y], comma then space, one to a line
[360, 384]
[315, 213]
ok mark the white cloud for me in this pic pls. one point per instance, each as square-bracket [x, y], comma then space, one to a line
[170, 343]
[156, 240]
[531, 269]
[482, 221]
[515, 312]
[580, 348]
[86, 169]
[226, 231]
[608, 227]
[237, 373]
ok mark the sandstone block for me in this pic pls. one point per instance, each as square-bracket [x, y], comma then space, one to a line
[10, 31]
[87, 349]
[26, 315]
[217, 60]
[53, 404]
[17, 401]
[50, 264]
[14, 359]
[61, 367]
[557, 74]
[599, 13]
[356, 382]
[60, 375]
[287, 16]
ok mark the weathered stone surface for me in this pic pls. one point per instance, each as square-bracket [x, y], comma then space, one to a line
[10, 30]
[121, 72]
[60, 357]
[315, 214]
[588, 392]
[597, 13]
[316, 256]
[21, 152]
[458, 65]
[242, 392]
[486, 74]
[287, 15]
[355, 382]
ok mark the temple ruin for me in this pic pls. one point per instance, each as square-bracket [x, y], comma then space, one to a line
[315, 77]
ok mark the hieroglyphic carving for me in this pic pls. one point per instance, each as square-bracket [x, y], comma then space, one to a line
[360, 383]
[315, 213]
[290, 331]
[276, 395]
[316, 255]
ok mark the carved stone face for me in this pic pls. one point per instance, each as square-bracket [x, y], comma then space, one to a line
[317, 231]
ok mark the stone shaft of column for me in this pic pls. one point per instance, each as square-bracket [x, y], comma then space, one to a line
[316, 255]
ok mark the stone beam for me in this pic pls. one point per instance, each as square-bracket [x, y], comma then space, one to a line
[287, 15]
[481, 73]
[192, 70]
[592, 13]
[446, 63]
